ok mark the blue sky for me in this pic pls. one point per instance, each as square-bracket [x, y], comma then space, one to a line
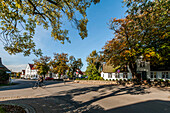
[98, 33]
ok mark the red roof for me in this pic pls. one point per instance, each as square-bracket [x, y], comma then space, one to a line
[79, 72]
[31, 66]
[23, 71]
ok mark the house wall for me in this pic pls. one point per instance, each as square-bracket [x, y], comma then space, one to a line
[159, 75]
[114, 76]
[27, 71]
[31, 74]
[145, 67]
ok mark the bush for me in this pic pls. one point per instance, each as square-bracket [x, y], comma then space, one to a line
[3, 76]
[155, 80]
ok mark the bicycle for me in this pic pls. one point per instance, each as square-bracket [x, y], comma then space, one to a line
[38, 84]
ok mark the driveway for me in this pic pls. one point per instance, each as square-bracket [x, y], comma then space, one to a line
[74, 97]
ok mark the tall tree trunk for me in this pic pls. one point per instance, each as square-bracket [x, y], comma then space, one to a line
[133, 68]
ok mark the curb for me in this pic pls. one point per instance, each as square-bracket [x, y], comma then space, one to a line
[27, 108]
[21, 97]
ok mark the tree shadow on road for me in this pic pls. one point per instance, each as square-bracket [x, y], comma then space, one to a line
[113, 91]
[64, 104]
[63, 101]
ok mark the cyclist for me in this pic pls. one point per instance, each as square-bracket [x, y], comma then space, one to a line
[40, 80]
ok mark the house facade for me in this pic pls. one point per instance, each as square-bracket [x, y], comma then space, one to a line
[31, 72]
[22, 74]
[144, 71]
[3, 68]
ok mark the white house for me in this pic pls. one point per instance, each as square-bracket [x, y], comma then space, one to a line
[31, 72]
[23, 74]
[144, 71]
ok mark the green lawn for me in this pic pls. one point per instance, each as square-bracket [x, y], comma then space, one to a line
[2, 110]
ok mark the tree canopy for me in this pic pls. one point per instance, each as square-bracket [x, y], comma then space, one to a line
[19, 18]
[94, 66]
[59, 63]
[74, 64]
[42, 65]
[95, 59]
[143, 32]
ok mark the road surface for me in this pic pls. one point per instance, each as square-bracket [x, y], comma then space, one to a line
[74, 97]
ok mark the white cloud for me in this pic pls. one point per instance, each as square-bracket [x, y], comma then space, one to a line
[16, 68]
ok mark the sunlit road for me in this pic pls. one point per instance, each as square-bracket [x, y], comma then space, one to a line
[22, 83]
[74, 97]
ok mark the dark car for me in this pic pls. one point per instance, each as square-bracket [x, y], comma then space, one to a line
[49, 78]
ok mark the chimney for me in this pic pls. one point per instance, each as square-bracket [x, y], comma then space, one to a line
[1, 63]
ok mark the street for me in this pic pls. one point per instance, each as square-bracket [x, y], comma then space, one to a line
[74, 97]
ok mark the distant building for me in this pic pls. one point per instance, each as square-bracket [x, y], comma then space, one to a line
[79, 73]
[144, 71]
[2, 67]
[31, 72]
[22, 73]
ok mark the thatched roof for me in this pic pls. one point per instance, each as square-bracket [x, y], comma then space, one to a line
[108, 68]
[112, 68]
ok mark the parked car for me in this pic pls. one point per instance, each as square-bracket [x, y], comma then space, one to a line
[49, 78]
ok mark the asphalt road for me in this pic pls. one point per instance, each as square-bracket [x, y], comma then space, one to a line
[22, 83]
[73, 97]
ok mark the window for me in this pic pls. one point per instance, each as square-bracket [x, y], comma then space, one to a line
[109, 75]
[125, 75]
[116, 75]
[151, 74]
[142, 64]
[163, 74]
[103, 75]
[166, 74]
[154, 74]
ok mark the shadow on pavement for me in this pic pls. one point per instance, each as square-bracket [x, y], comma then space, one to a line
[21, 84]
[64, 104]
[63, 101]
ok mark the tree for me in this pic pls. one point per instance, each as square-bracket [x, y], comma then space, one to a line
[94, 66]
[152, 20]
[95, 59]
[42, 65]
[93, 73]
[59, 63]
[18, 74]
[19, 19]
[144, 32]
[74, 65]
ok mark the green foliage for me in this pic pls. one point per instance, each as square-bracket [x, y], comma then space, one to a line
[81, 78]
[74, 65]
[42, 64]
[143, 32]
[2, 110]
[59, 63]
[19, 18]
[3, 76]
[93, 73]
[95, 59]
